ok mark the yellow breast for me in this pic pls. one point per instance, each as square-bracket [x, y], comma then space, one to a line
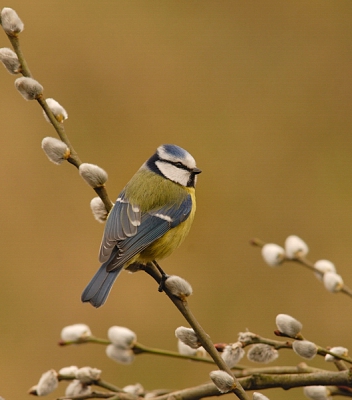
[164, 246]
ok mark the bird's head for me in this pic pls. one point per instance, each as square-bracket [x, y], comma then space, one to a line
[174, 163]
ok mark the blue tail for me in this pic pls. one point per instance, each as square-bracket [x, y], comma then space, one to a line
[98, 289]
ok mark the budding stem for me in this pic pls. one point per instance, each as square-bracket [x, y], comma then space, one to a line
[17, 49]
[203, 337]
[138, 348]
[103, 194]
[74, 158]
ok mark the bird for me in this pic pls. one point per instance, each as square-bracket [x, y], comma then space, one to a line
[149, 220]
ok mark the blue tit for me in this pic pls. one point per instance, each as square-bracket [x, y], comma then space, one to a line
[150, 219]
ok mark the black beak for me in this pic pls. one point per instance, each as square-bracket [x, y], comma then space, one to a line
[196, 171]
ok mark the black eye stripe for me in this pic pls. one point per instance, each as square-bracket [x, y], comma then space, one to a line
[177, 164]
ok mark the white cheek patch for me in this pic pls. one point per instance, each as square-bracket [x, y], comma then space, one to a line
[173, 173]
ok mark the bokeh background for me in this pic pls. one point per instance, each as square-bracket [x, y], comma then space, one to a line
[260, 92]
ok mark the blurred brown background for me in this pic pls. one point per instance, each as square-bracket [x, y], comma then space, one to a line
[259, 92]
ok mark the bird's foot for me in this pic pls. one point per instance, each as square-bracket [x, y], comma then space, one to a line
[162, 282]
[164, 277]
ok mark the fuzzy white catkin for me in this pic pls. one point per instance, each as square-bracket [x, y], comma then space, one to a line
[178, 286]
[317, 393]
[201, 352]
[222, 380]
[122, 337]
[10, 60]
[11, 22]
[56, 108]
[288, 325]
[262, 353]
[246, 337]
[69, 371]
[273, 254]
[93, 175]
[187, 336]
[136, 389]
[185, 350]
[87, 374]
[232, 354]
[56, 150]
[339, 351]
[332, 282]
[259, 396]
[122, 356]
[48, 382]
[295, 245]
[29, 88]
[98, 209]
[74, 332]
[323, 266]
[305, 349]
[77, 388]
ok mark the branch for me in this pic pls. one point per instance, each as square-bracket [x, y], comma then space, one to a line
[262, 381]
[58, 126]
[302, 260]
[204, 339]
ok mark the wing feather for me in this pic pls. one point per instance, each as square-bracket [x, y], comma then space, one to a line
[131, 231]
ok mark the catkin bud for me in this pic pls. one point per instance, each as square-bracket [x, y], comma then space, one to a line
[77, 388]
[332, 282]
[185, 350]
[288, 325]
[29, 88]
[323, 266]
[295, 246]
[93, 175]
[47, 383]
[246, 337]
[222, 380]
[259, 396]
[122, 337]
[69, 371]
[136, 389]
[122, 356]
[178, 287]
[150, 395]
[75, 332]
[99, 210]
[339, 351]
[56, 150]
[262, 353]
[273, 254]
[232, 354]
[201, 352]
[10, 60]
[188, 337]
[11, 22]
[58, 111]
[87, 374]
[188, 351]
[305, 349]
[317, 392]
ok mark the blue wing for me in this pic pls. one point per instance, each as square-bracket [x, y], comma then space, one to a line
[133, 235]
[128, 232]
[122, 223]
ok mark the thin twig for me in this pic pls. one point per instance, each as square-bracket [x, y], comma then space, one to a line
[59, 128]
[302, 260]
[138, 348]
[203, 337]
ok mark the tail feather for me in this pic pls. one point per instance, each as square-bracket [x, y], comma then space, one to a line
[98, 289]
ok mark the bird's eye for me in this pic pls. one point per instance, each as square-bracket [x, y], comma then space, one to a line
[178, 165]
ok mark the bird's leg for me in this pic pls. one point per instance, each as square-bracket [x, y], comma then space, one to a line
[164, 276]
